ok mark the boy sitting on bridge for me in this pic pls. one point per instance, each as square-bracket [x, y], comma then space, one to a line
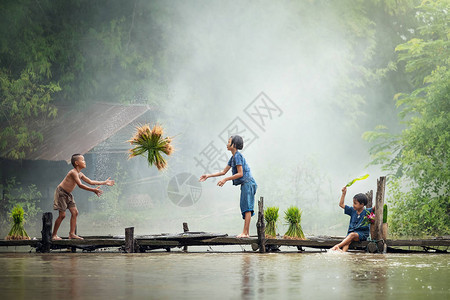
[358, 228]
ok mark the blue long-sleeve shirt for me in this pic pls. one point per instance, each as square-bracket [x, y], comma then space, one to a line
[356, 221]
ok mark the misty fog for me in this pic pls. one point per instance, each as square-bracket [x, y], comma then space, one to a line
[230, 54]
[221, 56]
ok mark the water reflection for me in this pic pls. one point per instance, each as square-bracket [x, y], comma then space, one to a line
[57, 273]
[222, 276]
[370, 272]
[247, 277]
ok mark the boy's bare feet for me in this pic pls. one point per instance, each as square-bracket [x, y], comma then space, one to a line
[56, 238]
[336, 248]
[74, 236]
[243, 236]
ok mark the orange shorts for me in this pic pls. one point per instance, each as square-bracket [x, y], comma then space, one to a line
[63, 200]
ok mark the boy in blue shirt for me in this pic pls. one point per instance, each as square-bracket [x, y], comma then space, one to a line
[358, 228]
[241, 176]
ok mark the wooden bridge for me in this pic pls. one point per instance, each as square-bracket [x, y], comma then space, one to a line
[186, 239]
[130, 244]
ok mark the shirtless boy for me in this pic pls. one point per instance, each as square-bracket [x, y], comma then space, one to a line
[64, 199]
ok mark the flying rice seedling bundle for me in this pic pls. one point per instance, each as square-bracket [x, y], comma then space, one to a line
[293, 216]
[17, 231]
[271, 217]
[152, 142]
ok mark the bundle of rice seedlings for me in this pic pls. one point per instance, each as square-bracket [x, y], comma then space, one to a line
[17, 231]
[293, 216]
[152, 142]
[271, 217]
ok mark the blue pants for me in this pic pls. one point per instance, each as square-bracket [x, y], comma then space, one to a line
[363, 235]
[248, 191]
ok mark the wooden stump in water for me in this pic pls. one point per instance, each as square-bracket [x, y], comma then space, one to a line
[379, 203]
[47, 221]
[372, 231]
[376, 247]
[261, 226]
[185, 229]
[369, 195]
[372, 247]
[129, 240]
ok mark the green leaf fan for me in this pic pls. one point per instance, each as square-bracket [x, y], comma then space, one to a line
[356, 179]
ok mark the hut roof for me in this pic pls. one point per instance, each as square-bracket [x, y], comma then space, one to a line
[80, 130]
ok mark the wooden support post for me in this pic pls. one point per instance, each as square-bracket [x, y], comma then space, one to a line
[129, 240]
[73, 249]
[379, 203]
[47, 221]
[185, 229]
[261, 227]
[369, 195]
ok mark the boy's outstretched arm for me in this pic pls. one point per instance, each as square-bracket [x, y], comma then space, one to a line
[97, 190]
[341, 202]
[206, 176]
[108, 181]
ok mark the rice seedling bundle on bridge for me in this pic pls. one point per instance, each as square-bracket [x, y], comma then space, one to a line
[271, 217]
[293, 216]
[17, 231]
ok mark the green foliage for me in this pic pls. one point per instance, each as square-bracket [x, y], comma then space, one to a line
[368, 30]
[385, 213]
[293, 217]
[413, 214]
[271, 217]
[73, 51]
[25, 106]
[417, 158]
[27, 198]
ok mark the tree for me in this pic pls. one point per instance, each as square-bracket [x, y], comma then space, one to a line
[73, 51]
[417, 158]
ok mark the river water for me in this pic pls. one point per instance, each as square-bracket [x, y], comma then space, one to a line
[224, 275]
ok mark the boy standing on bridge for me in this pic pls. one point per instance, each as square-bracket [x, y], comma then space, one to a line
[64, 200]
[241, 176]
[358, 228]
